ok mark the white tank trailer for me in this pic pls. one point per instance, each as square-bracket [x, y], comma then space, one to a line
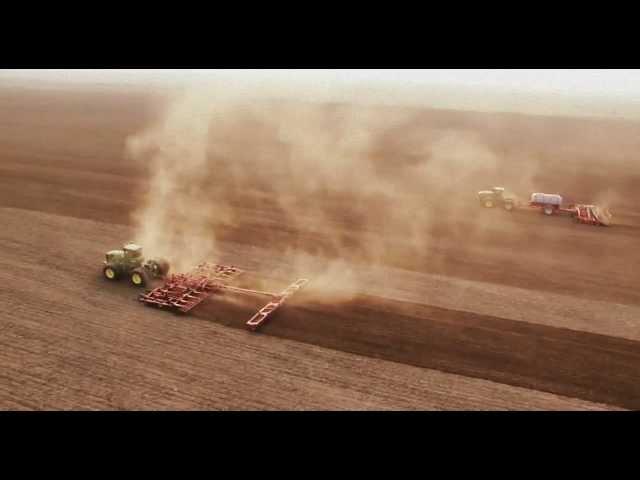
[549, 202]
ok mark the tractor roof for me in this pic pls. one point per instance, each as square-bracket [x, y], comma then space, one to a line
[132, 247]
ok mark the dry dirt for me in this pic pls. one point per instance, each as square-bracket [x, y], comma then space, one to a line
[526, 312]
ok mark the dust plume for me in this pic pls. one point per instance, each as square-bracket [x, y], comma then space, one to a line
[328, 187]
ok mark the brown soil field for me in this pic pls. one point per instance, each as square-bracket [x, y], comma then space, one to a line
[504, 311]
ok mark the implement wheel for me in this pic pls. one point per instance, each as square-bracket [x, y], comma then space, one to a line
[110, 273]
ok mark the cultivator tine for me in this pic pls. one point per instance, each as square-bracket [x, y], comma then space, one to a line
[180, 292]
[215, 272]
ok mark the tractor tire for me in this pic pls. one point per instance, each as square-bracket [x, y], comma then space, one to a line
[163, 267]
[110, 273]
[508, 206]
[488, 203]
[139, 277]
[157, 268]
[548, 210]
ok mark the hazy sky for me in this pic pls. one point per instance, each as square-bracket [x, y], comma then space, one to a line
[604, 82]
[610, 93]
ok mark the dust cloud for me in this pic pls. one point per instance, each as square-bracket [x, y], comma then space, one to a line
[329, 187]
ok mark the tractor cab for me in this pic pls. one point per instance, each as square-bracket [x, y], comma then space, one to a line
[114, 256]
[498, 192]
[132, 251]
[495, 193]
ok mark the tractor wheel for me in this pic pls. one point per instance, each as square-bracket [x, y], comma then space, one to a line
[139, 277]
[548, 210]
[508, 206]
[110, 273]
[157, 268]
[488, 203]
[163, 267]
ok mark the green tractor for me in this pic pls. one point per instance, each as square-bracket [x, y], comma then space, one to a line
[129, 262]
[496, 198]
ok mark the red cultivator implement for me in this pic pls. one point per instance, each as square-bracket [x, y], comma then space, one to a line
[591, 215]
[182, 292]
